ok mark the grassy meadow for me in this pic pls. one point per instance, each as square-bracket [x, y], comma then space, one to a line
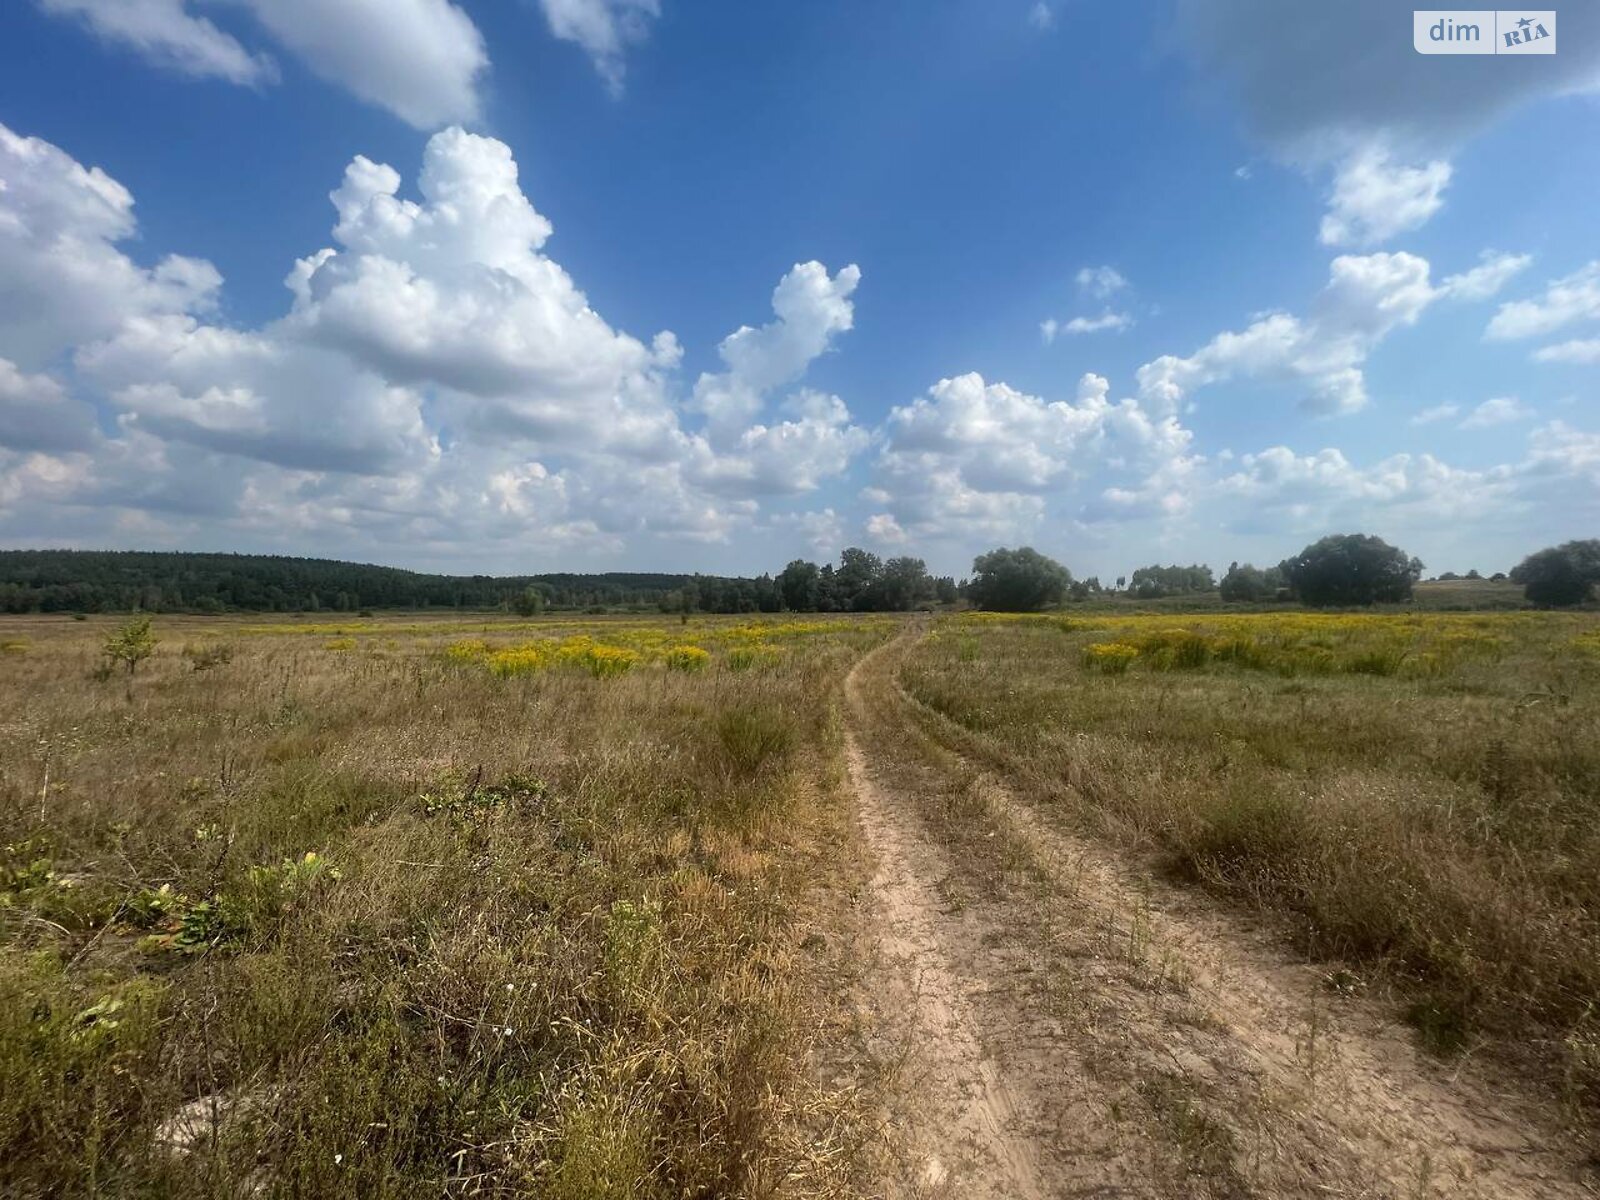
[404, 905]
[412, 907]
[1418, 793]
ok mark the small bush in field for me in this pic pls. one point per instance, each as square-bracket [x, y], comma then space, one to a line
[68, 1033]
[687, 659]
[1175, 649]
[131, 644]
[508, 664]
[250, 905]
[749, 658]
[632, 947]
[1110, 658]
[25, 865]
[152, 907]
[603, 662]
[584, 653]
[469, 650]
[460, 798]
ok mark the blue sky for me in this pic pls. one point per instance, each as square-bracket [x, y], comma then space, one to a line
[1177, 280]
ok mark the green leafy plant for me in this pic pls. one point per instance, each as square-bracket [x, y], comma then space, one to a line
[687, 659]
[459, 797]
[131, 644]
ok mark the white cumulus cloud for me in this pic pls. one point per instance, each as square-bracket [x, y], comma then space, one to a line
[63, 278]
[437, 384]
[420, 59]
[1566, 301]
[1439, 412]
[1324, 487]
[1493, 272]
[604, 28]
[1502, 410]
[1100, 282]
[1580, 350]
[973, 458]
[167, 34]
[1367, 297]
[37, 413]
[1107, 320]
[1374, 198]
[810, 307]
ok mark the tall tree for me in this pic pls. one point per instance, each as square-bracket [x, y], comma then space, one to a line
[1245, 583]
[799, 584]
[1560, 575]
[906, 583]
[857, 578]
[1351, 568]
[1017, 580]
[1150, 583]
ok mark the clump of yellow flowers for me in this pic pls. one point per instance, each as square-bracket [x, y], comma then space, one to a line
[687, 659]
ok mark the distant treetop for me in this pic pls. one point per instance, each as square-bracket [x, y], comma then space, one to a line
[1351, 569]
[1017, 580]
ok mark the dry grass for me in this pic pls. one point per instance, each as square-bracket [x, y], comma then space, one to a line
[546, 941]
[1419, 795]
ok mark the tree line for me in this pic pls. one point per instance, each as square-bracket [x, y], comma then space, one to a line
[124, 581]
[1340, 570]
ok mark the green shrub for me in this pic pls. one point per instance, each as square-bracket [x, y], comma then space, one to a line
[1109, 658]
[1175, 650]
[131, 644]
[746, 658]
[687, 659]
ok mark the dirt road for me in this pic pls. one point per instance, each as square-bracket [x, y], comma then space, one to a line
[1072, 1026]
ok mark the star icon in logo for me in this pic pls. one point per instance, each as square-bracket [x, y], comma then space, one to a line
[1525, 22]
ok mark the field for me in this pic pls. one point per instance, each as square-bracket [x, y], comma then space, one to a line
[1418, 794]
[1171, 903]
[400, 907]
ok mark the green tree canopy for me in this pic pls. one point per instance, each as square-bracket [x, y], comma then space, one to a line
[1247, 584]
[906, 584]
[1151, 583]
[1016, 580]
[131, 644]
[799, 585]
[1351, 568]
[1560, 575]
[857, 579]
[529, 602]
